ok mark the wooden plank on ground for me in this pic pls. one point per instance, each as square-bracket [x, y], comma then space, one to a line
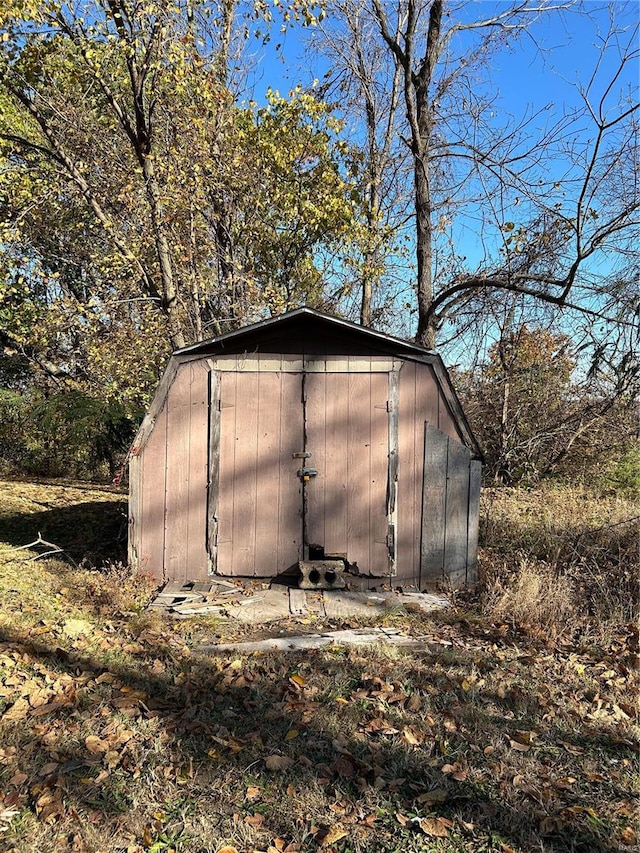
[297, 602]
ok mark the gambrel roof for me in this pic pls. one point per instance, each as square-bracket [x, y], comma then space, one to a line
[311, 333]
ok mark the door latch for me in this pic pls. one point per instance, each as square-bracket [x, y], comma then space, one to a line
[307, 473]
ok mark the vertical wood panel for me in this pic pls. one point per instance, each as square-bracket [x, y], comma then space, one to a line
[259, 524]
[378, 475]
[392, 483]
[228, 410]
[152, 504]
[197, 559]
[434, 505]
[245, 474]
[213, 493]
[177, 501]
[268, 475]
[319, 488]
[289, 516]
[475, 474]
[408, 558]
[336, 521]
[446, 421]
[359, 466]
[455, 557]
[135, 516]
[427, 394]
[426, 409]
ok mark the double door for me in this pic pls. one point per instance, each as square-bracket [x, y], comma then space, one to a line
[299, 468]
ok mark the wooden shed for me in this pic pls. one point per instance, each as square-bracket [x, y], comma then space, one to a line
[305, 437]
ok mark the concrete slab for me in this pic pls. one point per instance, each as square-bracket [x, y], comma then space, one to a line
[266, 606]
[424, 600]
[297, 602]
[339, 605]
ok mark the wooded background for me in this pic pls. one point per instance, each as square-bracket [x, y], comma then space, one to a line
[152, 195]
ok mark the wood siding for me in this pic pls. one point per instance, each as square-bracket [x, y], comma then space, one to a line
[347, 433]
[172, 483]
[259, 506]
[451, 492]
[214, 486]
[420, 400]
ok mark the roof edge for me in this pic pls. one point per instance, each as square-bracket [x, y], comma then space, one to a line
[339, 322]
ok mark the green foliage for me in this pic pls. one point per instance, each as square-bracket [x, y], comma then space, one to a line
[623, 474]
[141, 206]
[64, 434]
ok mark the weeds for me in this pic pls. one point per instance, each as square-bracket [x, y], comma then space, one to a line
[560, 560]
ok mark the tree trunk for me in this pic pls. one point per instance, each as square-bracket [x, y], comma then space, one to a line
[169, 300]
[426, 334]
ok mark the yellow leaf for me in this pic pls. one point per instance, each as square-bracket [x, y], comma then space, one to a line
[298, 680]
[95, 745]
[18, 711]
[435, 827]
[291, 734]
[411, 738]
[466, 685]
[333, 834]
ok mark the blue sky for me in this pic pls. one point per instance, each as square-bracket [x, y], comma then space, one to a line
[542, 71]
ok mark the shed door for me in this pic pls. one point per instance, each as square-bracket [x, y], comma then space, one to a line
[347, 433]
[263, 517]
[258, 517]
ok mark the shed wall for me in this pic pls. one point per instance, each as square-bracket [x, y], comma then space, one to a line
[420, 400]
[170, 477]
[168, 528]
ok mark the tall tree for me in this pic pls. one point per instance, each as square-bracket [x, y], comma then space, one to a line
[139, 200]
[544, 198]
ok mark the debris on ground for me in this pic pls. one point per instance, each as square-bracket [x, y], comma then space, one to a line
[268, 603]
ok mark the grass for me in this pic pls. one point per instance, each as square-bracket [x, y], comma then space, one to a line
[505, 732]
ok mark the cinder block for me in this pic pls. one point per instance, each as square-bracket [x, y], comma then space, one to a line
[321, 574]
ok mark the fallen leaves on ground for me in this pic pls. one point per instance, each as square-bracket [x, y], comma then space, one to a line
[113, 727]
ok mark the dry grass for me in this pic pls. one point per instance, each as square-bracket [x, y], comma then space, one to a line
[118, 736]
[560, 559]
